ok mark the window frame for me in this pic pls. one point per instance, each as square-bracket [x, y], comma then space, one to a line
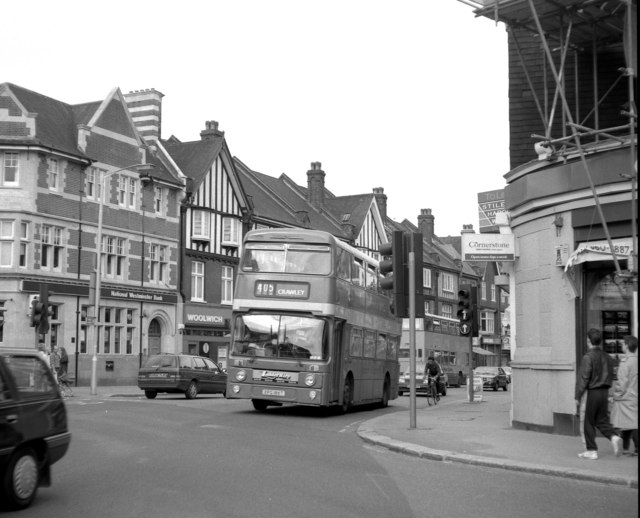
[231, 230]
[197, 281]
[10, 161]
[226, 285]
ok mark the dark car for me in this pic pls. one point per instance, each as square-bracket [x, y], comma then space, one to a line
[181, 373]
[33, 426]
[492, 377]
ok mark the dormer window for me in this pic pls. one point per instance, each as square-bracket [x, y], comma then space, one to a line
[231, 229]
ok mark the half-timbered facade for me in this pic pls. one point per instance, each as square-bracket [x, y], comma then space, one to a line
[214, 212]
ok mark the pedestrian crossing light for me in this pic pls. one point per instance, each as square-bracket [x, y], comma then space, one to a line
[394, 269]
[467, 310]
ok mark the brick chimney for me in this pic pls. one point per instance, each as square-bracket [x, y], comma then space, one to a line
[315, 184]
[426, 224]
[145, 107]
[381, 200]
[211, 131]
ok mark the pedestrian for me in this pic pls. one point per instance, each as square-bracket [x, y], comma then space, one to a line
[64, 362]
[54, 360]
[592, 389]
[624, 415]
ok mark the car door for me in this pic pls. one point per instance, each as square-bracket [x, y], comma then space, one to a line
[218, 378]
[31, 406]
[203, 375]
[9, 416]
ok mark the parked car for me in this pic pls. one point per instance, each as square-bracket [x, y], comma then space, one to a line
[507, 371]
[33, 426]
[492, 377]
[404, 381]
[181, 373]
[421, 386]
[452, 377]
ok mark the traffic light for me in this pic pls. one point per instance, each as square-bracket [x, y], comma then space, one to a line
[468, 310]
[35, 315]
[413, 243]
[394, 269]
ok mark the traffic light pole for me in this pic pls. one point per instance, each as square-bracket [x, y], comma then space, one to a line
[412, 341]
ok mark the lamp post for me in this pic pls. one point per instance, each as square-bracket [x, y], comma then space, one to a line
[98, 276]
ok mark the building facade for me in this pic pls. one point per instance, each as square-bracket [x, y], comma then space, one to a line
[55, 159]
[571, 195]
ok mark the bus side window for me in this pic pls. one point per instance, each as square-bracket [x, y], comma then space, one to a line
[355, 348]
[372, 277]
[344, 264]
[357, 272]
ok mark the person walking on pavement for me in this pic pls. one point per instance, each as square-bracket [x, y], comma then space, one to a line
[593, 382]
[64, 362]
[55, 361]
[624, 415]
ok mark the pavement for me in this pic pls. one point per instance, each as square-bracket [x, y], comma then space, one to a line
[478, 433]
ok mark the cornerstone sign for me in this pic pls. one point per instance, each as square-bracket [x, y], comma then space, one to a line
[488, 247]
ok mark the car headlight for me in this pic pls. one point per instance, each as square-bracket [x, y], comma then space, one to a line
[309, 380]
[241, 375]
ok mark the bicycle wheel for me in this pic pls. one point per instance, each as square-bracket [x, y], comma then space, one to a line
[434, 393]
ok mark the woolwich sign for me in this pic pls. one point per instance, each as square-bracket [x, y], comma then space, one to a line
[488, 247]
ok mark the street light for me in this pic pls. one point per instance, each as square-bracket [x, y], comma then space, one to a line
[98, 276]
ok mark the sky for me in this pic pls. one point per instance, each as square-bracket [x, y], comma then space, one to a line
[409, 95]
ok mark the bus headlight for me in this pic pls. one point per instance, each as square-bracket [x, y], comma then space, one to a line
[241, 375]
[235, 389]
[312, 394]
[309, 380]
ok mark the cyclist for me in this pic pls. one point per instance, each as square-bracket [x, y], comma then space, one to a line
[432, 369]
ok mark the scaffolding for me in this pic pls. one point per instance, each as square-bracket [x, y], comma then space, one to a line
[580, 27]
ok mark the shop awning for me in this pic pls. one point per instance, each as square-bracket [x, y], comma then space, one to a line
[599, 251]
[480, 350]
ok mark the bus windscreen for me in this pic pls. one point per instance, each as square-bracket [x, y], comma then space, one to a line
[287, 258]
[280, 336]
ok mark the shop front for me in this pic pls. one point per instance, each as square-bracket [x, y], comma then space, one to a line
[206, 331]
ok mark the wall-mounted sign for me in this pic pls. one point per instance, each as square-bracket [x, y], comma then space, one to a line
[204, 315]
[489, 204]
[488, 247]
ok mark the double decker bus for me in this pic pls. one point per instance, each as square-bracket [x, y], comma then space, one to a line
[310, 325]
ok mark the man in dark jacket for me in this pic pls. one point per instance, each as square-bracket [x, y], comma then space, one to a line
[593, 382]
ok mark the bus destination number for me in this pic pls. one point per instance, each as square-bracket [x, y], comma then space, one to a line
[282, 290]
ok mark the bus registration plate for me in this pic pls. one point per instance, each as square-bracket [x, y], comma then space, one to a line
[272, 392]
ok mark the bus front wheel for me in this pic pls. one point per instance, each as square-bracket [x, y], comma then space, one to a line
[347, 396]
[386, 391]
[259, 404]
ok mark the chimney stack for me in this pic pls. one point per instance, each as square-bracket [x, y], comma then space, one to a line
[315, 184]
[211, 130]
[381, 200]
[426, 224]
[145, 107]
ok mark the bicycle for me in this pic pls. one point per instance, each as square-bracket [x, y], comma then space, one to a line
[64, 386]
[432, 391]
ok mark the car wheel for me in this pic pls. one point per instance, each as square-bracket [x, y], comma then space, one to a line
[151, 394]
[260, 404]
[495, 387]
[504, 388]
[444, 391]
[21, 479]
[192, 390]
